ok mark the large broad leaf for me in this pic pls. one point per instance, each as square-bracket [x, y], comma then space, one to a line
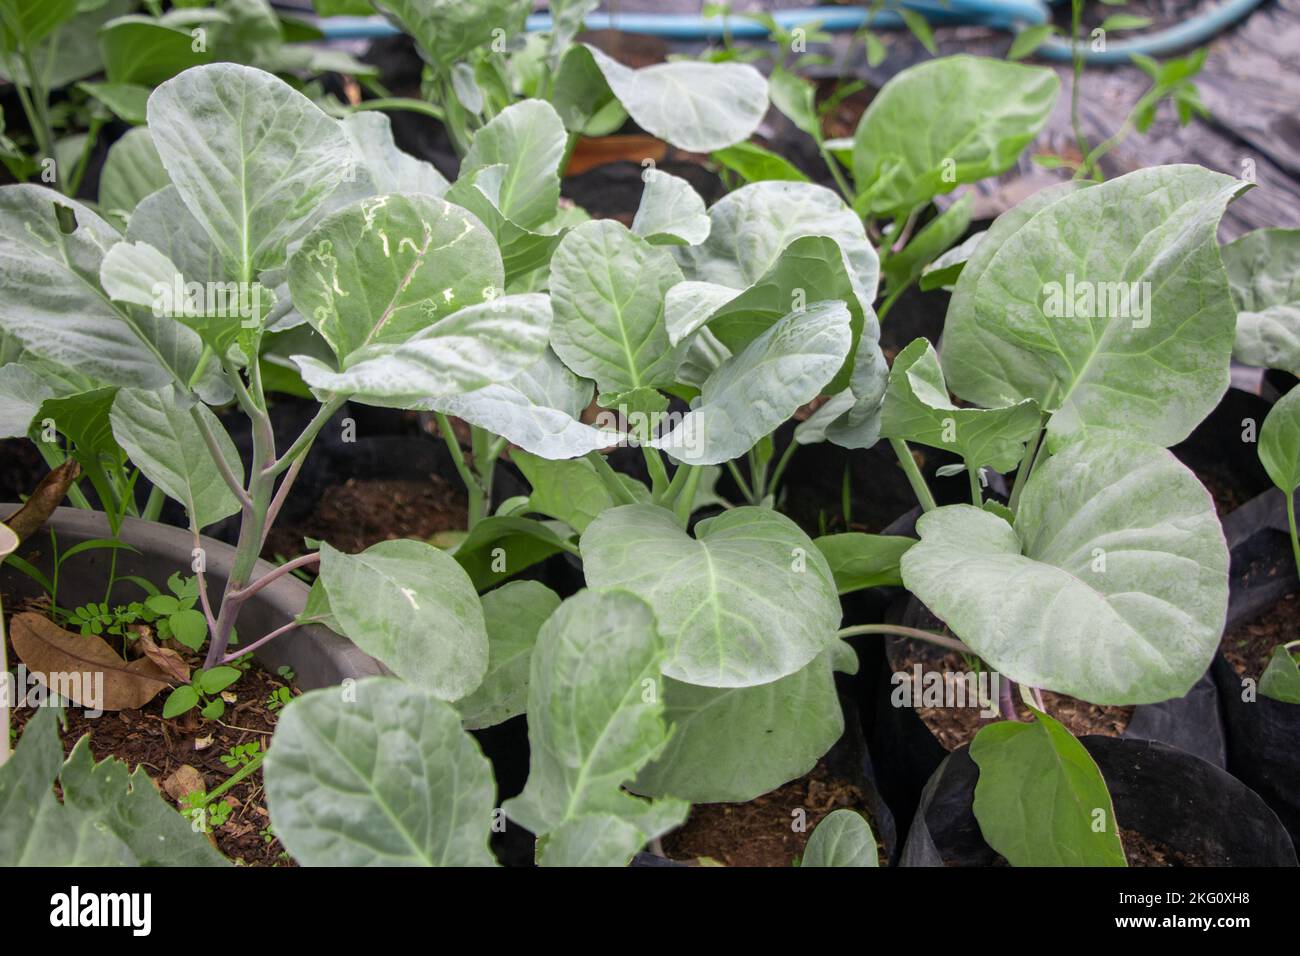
[412, 607]
[382, 269]
[163, 440]
[131, 172]
[748, 600]
[698, 107]
[1264, 273]
[917, 409]
[446, 31]
[1040, 799]
[571, 490]
[252, 158]
[671, 211]
[843, 838]
[597, 839]
[126, 803]
[751, 228]
[384, 776]
[390, 169]
[469, 349]
[523, 251]
[732, 744]
[54, 304]
[514, 613]
[528, 139]
[944, 122]
[144, 50]
[1108, 307]
[538, 410]
[595, 716]
[1112, 587]
[607, 287]
[860, 560]
[164, 221]
[756, 390]
[1279, 442]
[22, 391]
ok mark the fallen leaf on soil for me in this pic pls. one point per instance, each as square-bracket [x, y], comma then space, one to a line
[47, 648]
[28, 519]
[171, 663]
[184, 781]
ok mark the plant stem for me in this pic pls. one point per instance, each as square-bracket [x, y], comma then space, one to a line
[976, 495]
[685, 502]
[658, 473]
[264, 639]
[613, 483]
[1291, 523]
[473, 489]
[279, 571]
[235, 778]
[79, 171]
[1076, 56]
[890, 300]
[942, 640]
[1005, 703]
[837, 174]
[4, 710]
[1026, 465]
[740, 481]
[214, 452]
[153, 504]
[399, 103]
[301, 446]
[914, 476]
[780, 465]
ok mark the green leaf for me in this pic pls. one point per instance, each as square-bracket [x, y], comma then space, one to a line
[412, 607]
[447, 31]
[164, 442]
[860, 561]
[390, 169]
[597, 839]
[1281, 679]
[84, 419]
[843, 838]
[1264, 276]
[944, 270]
[538, 410]
[595, 717]
[758, 389]
[695, 106]
[1112, 587]
[126, 100]
[180, 700]
[582, 97]
[571, 490]
[513, 613]
[131, 172]
[746, 601]
[1030, 39]
[56, 308]
[144, 51]
[795, 97]
[128, 805]
[904, 267]
[920, 28]
[162, 220]
[26, 779]
[71, 51]
[213, 709]
[386, 777]
[607, 289]
[527, 138]
[945, 122]
[917, 409]
[382, 269]
[1125, 21]
[22, 392]
[671, 211]
[523, 251]
[24, 23]
[489, 342]
[1040, 799]
[189, 627]
[1062, 307]
[503, 545]
[216, 679]
[253, 158]
[754, 164]
[732, 744]
[1279, 442]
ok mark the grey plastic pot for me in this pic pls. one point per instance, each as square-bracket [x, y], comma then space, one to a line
[318, 656]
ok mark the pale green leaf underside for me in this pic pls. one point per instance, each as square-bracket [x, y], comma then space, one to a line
[386, 779]
[1264, 273]
[412, 606]
[1112, 587]
[671, 211]
[843, 838]
[747, 601]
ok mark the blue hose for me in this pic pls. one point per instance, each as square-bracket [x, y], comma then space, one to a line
[1013, 15]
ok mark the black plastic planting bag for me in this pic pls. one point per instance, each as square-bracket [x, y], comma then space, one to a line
[1160, 792]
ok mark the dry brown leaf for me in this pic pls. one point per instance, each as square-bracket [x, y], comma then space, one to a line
[28, 519]
[47, 648]
[203, 743]
[167, 659]
[184, 781]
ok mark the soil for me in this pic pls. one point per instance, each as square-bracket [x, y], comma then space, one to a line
[759, 833]
[144, 738]
[358, 513]
[954, 727]
[1248, 647]
[1142, 850]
